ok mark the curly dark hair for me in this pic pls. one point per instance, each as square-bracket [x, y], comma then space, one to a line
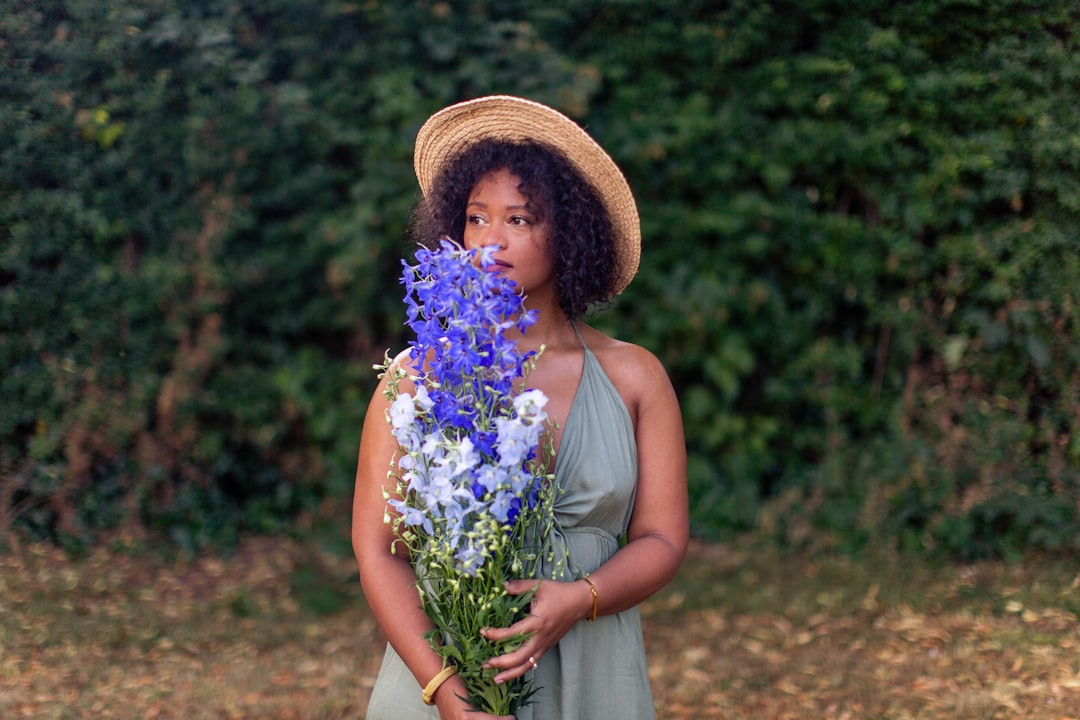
[581, 238]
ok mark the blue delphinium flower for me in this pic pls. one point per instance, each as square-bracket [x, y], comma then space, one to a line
[473, 505]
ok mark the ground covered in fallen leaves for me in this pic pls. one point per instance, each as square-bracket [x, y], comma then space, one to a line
[278, 629]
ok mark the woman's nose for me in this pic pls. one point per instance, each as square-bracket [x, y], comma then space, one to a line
[494, 234]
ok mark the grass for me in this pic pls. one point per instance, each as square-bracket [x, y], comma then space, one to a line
[280, 630]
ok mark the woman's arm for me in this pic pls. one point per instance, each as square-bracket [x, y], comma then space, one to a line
[659, 526]
[387, 578]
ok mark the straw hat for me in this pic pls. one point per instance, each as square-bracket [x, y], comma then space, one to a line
[451, 130]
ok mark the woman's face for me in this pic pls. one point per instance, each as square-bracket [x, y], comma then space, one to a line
[498, 214]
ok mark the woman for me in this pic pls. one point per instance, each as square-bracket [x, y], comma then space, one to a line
[518, 175]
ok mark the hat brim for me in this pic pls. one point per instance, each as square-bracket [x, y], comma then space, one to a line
[450, 131]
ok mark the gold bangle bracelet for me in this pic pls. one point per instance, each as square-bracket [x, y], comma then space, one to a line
[595, 597]
[436, 682]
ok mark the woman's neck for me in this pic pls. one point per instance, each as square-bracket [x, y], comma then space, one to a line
[552, 329]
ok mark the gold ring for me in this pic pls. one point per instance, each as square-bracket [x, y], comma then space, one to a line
[533, 661]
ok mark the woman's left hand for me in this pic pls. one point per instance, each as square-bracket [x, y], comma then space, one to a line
[555, 608]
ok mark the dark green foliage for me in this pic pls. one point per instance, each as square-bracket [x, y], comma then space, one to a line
[860, 262]
[863, 262]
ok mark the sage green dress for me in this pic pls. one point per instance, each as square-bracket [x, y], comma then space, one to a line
[597, 671]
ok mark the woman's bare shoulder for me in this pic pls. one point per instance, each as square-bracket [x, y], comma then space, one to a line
[402, 366]
[634, 369]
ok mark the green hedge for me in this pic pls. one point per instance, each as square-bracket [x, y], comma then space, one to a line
[860, 262]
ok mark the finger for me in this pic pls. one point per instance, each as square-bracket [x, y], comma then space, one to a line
[524, 628]
[517, 670]
[518, 661]
[516, 587]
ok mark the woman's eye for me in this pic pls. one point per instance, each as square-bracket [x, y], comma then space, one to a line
[474, 219]
[519, 220]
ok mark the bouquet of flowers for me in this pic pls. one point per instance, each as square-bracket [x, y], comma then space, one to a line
[472, 504]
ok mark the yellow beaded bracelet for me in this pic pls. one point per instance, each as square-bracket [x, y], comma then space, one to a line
[436, 682]
[595, 597]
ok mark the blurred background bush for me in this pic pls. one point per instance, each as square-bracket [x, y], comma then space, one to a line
[861, 266]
